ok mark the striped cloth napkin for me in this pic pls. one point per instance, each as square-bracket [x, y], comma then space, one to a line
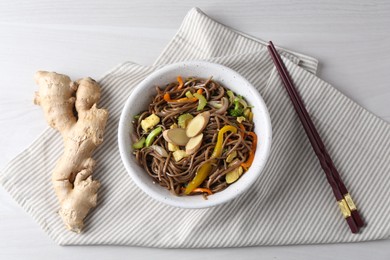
[291, 203]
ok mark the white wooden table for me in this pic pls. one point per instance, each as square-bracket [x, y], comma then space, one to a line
[86, 38]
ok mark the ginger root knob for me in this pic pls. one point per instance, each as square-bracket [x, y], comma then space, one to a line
[72, 176]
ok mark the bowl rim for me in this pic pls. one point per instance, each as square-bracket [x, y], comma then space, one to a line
[184, 204]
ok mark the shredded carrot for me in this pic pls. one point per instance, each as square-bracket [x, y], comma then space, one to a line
[181, 83]
[202, 190]
[185, 100]
[242, 127]
[249, 162]
[167, 98]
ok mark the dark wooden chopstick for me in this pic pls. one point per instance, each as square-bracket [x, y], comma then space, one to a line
[341, 193]
[347, 197]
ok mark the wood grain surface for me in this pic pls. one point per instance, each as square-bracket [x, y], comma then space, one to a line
[351, 39]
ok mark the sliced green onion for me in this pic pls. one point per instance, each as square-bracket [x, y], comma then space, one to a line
[139, 144]
[189, 94]
[150, 138]
[231, 96]
[202, 101]
[184, 119]
[241, 100]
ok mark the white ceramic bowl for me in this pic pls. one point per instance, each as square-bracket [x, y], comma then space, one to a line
[142, 96]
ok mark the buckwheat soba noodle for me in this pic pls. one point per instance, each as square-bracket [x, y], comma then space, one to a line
[196, 137]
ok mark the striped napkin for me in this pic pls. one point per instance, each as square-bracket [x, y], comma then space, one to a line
[291, 203]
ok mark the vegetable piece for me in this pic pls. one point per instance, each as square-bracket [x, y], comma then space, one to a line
[185, 100]
[215, 104]
[242, 127]
[136, 116]
[202, 101]
[231, 96]
[174, 125]
[176, 136]
[242, 101]
[246, 112]
[241, 119]
[222, 106]
[250, 118]
[252, 152]
[196, 125]
[240, 106]
[173, 147]
[218, 147]
[181, 83]
[168, 99]
[205, 168]
[184, 119]
[234, 175]
[160, 150]
[139, 144]
[231, 156]
[150, 122]
[225, 106]
[189, 94]
[74, 186]
[178, 155]
[202, 190]
[194, 144]
[152, 135]
[237, 110]
[200, 176]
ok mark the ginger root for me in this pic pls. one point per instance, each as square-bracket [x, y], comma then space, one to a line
[60, 99]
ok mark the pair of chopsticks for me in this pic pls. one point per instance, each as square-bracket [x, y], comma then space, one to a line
[344, 199]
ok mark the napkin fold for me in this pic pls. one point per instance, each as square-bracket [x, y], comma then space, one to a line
[290, 203]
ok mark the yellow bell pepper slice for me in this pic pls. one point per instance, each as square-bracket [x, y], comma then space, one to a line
[205, 169]
[218, 147]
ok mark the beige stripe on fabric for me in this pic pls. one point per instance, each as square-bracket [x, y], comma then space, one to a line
[291, 203]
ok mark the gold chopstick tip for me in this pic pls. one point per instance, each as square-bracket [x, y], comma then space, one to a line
[350, 202]
[344, 208]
